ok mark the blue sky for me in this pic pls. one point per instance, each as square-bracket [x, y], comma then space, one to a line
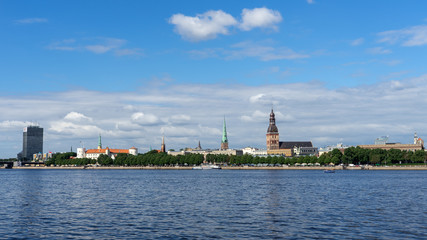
[137, 69]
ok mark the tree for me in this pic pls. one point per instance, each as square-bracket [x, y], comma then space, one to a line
[105, 160]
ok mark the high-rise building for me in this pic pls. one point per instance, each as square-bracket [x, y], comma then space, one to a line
[224, 140]
[32, 142]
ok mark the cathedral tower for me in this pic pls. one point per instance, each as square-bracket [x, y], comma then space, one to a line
[272, 133]
[224, 140]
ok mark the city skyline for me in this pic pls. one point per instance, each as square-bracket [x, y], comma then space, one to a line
[334, 71]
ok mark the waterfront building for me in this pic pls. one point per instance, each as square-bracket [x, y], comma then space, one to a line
[32, 142]
[224, 140]
[305, 151]
[205, 152]
[287, 148]
[381, 140]
[254, 151]
[417, 145]
[327, 149]
[42, 156]
[111, 152]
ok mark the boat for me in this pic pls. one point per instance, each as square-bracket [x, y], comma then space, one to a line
[329, 171]
[206, 167]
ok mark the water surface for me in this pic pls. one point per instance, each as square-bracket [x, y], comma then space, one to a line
[230, 204]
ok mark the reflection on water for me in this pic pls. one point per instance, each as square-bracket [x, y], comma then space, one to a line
[135, 204]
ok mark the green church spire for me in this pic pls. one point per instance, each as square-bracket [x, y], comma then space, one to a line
[99, 142]
[224, 133]
[224, 140]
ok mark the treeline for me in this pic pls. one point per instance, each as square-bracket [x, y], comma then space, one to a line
[352, 155]
[152, 158]
[8, 160]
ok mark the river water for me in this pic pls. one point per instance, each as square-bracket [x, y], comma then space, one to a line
[204, 204]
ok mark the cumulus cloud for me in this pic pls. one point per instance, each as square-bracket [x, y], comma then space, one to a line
[73, 129]
[75, 116]
[409, 37]
[304, 111]
[203, 26]
[144, 119]
[213, 23]
[260, 17]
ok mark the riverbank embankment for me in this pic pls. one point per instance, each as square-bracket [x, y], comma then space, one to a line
[406, 167]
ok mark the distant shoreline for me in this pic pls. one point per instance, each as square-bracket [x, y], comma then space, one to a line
[412, 167]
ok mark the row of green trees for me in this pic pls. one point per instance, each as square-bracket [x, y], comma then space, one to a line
[152, 158]
[352, 155]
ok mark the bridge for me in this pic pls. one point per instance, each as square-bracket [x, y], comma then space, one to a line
[11, 164]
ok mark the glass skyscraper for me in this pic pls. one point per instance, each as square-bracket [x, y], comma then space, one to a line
[32, 142]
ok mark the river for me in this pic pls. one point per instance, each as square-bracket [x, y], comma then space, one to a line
[204, 204]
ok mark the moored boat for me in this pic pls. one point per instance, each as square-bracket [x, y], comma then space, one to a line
[206, 167]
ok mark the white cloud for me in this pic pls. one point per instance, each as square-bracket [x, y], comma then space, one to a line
[409, 37]
[213, 23]
[260, 17]
[203, 26]
[310, 1]
[99, 45]
[74, 129]
[180, 118]
[126, 52]
[8, 124]
[262, 51]
[304, 111]
[75, 116]
[378, 50]
[256, 116]
[144, 119]
[256, 98]
[357, 42]
[31, 20]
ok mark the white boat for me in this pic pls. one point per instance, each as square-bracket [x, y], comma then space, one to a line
[206, 167]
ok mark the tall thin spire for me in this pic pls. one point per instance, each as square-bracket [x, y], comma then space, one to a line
[99, 142]
[163, 148]
[224, 140]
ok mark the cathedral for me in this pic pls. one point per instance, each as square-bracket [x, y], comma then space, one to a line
[287, 149]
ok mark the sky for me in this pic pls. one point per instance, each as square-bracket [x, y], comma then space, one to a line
[134, 71]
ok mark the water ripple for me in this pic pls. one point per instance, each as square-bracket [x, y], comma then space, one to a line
[85, 204]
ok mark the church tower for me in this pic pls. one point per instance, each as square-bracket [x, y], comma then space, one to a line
[224, 140]
[163, 147]
[99, 142]
[272, 133]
